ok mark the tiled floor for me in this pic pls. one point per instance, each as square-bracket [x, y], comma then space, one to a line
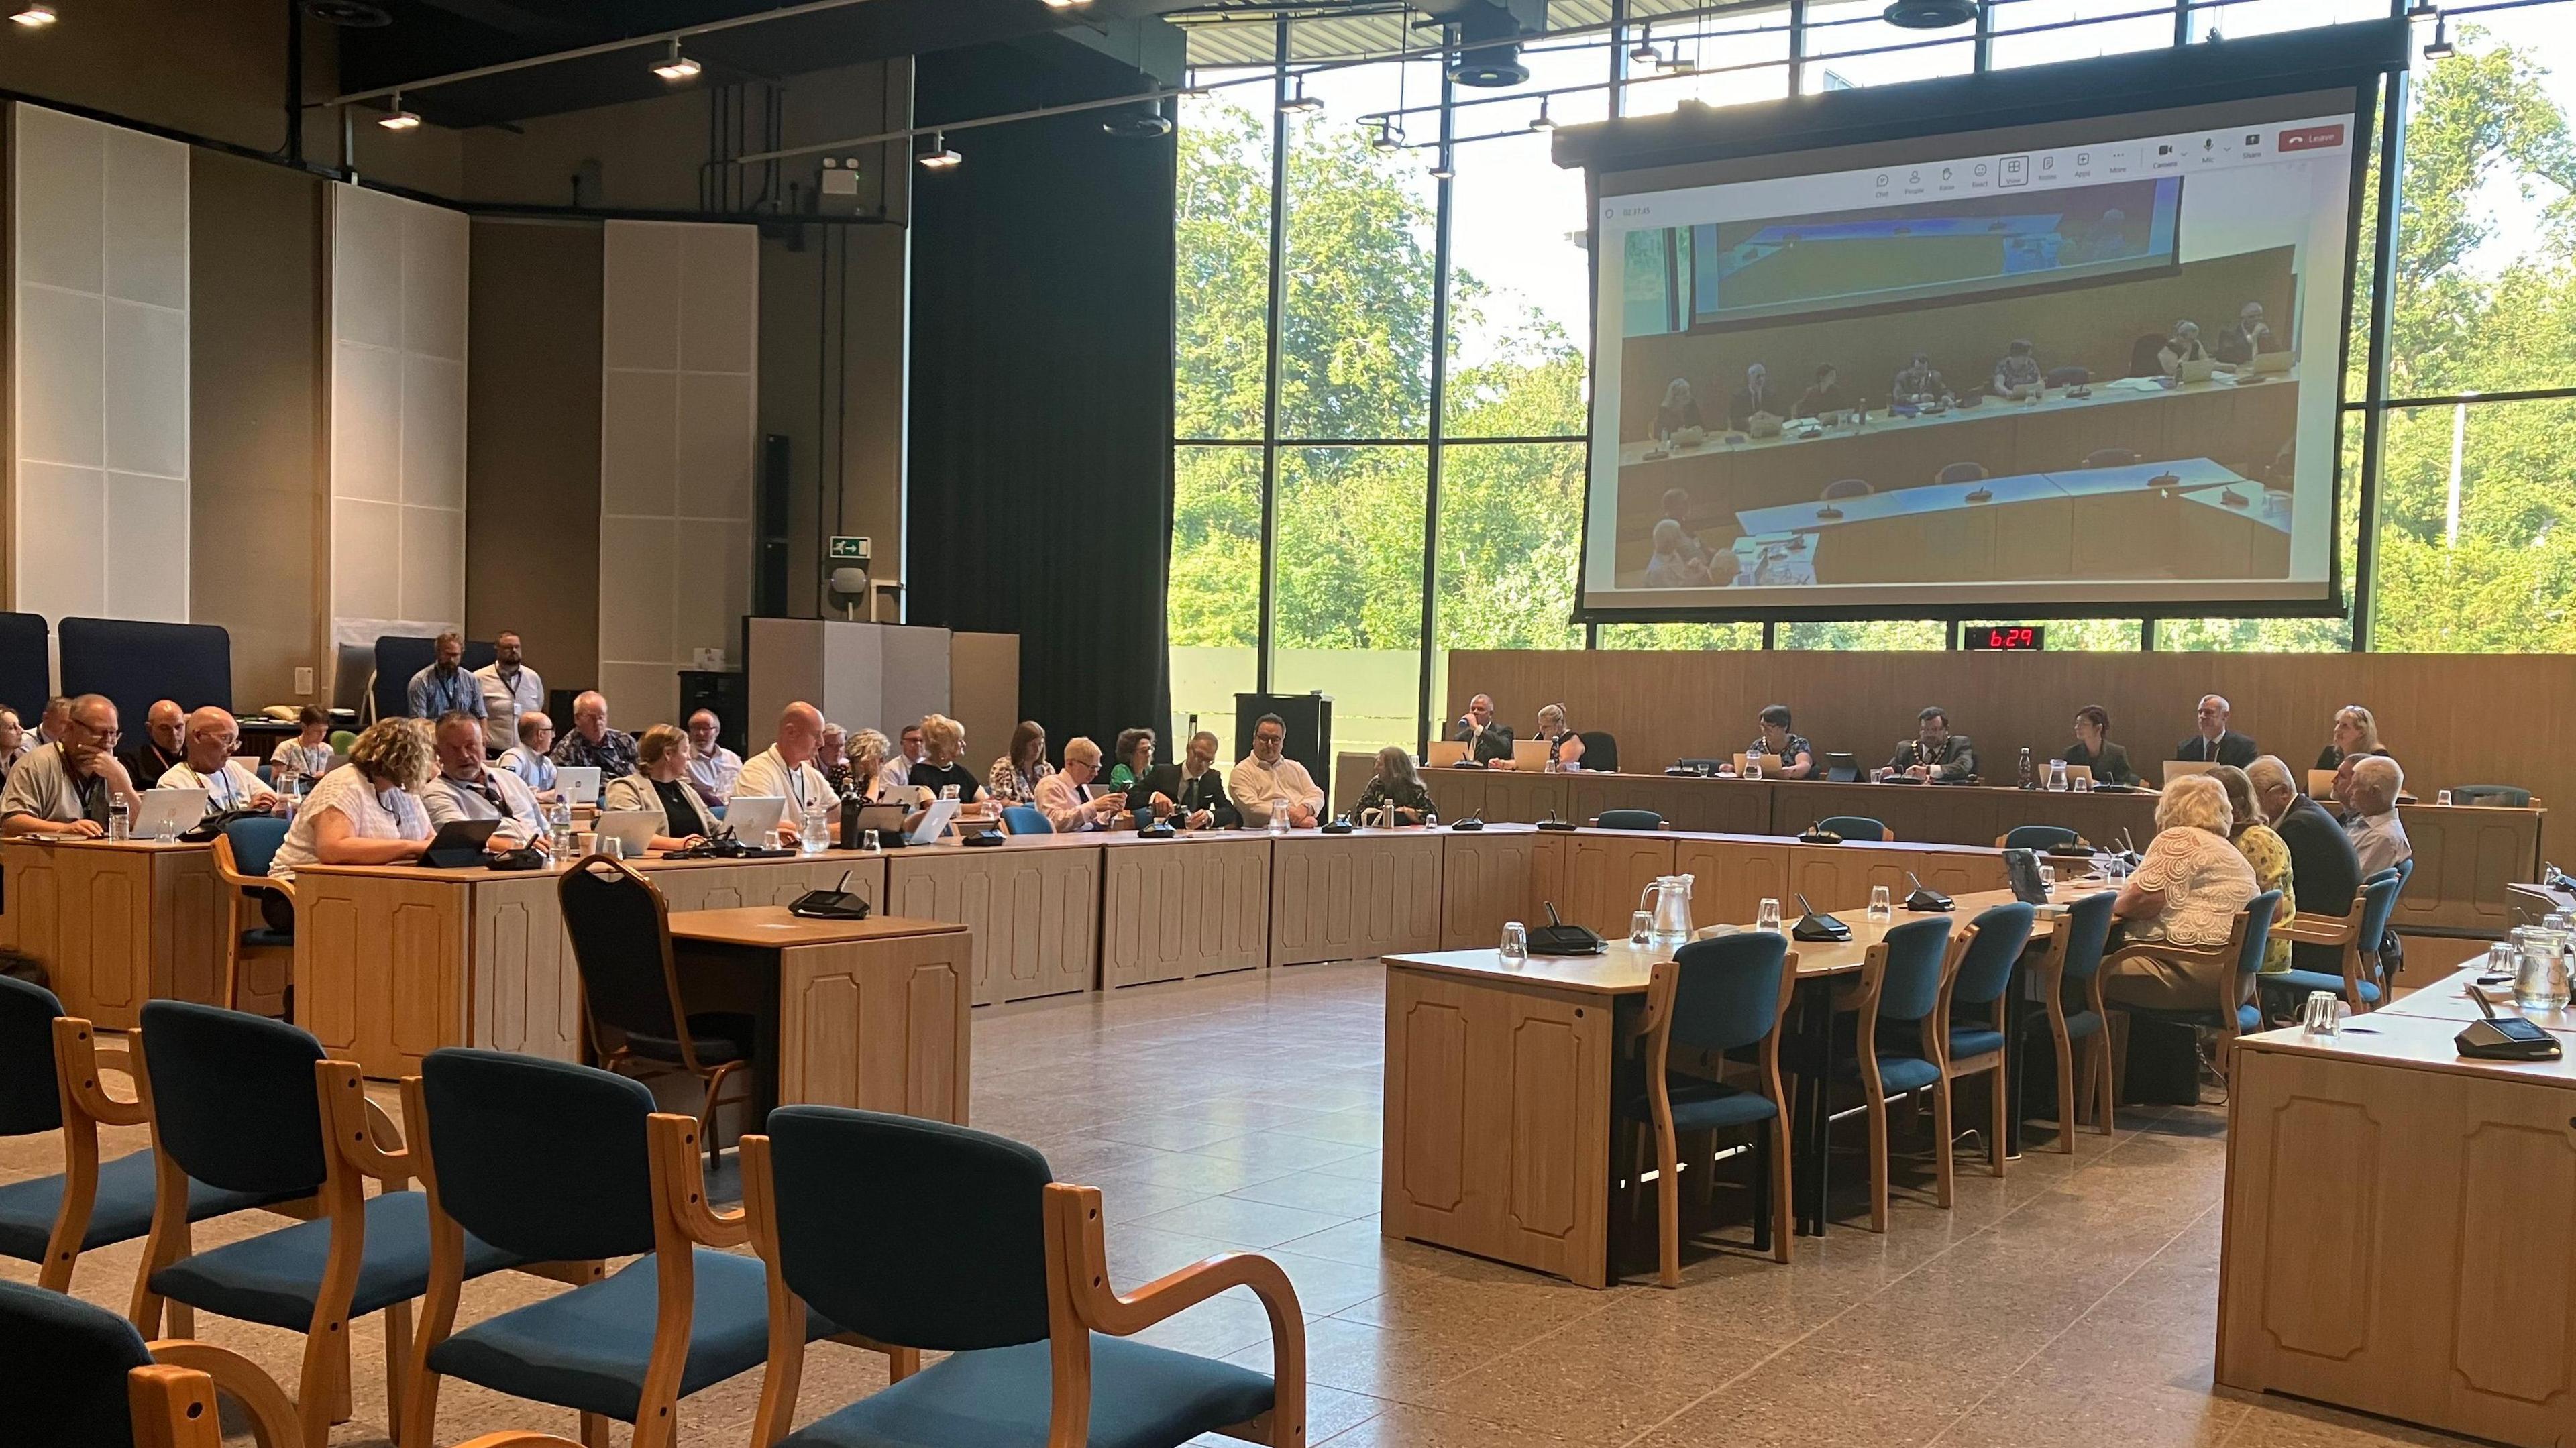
[2069, 1303]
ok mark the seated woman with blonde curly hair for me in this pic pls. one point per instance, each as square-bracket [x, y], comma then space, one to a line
[2186, 892]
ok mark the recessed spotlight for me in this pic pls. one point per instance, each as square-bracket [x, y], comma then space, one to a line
[399, 119]
[1541, 123]
[1066, 4]
[1302, 101]
[939, 157]
[676, 67]
[2441, 47]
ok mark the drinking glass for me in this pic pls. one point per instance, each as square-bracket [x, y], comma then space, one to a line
[1753, 766]
[1767, 917]
[1641, 928]
[1881, 911]
[2048, 877]
[1515, 948]
[2324, 1014]
[2502, 962]
[613, 847]
[2083, 784]
[947, 791]
[2442, 798]
[868, 841]
[769, 840]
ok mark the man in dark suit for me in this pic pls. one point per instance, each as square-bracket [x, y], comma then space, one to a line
[2216, 743]
[1754, 396]
[2322, 862]
[1934, 752]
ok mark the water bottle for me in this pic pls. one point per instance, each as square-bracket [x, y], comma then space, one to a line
[2029, 776]
[559, 822]
[120, 819]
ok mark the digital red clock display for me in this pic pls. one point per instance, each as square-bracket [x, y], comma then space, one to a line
[2016, 638]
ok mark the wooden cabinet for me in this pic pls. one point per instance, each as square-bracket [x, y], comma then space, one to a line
[1035, 912]
[883, 1025]
[116, 925]
[1179, 909]
[1353, 897]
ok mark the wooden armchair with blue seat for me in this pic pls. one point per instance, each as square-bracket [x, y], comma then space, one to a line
[1857, 827]
[1983, 955]
[2233, 966]
[242, 854]
[2363, 985]
[940, 1238]
[2074, 962]
[1714, 996]
[1894, 1007]
[250, 1105]
[552, 1161]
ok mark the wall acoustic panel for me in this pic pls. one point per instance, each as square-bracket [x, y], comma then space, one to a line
[398, 318]
[100, 362]
[679, 339]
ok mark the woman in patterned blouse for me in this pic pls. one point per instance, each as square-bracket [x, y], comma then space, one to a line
[1014, 777]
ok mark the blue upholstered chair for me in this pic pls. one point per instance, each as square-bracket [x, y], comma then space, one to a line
[1973, 1032]
[242, 854]
[1628, 819]
[250, 1105]
[2037, 837]
[1890, 1049]
[2233, 964]
[2363, 985]
[554, 1162]
[1026, 819]
[79, 1376]
[1712, 997]
[933, 1237]
[1857, 827]
[2074, 963]
[50, 1081]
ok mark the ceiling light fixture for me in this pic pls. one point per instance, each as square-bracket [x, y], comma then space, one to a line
[1644, 52]
[2423, 10]
[1542, 124]
[1388, 138]
[1301, 101]
[35, 17]
[399, 119]
[1930, 14]
[1065, 4]
[1443, 171]
[2441, 48]
[676, 67]
[939, 157]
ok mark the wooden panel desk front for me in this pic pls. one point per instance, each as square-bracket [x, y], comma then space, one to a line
[868, 1013]
[1182, 908]
[2400, 1230]
[116, 924]
[394, 961]
[1034, 905]
[1354, 896]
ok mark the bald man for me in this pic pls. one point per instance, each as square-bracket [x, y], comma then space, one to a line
[786, 769]
[164, 743]
[591, 744]
[210, 766]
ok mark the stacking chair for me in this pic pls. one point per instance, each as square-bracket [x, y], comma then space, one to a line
[1857, 827]
[79, 1376]
[564, 1164]
[249, 1105]
[930, 1237]
[2037, 837]
[1957, 473]
[2362, 985]
[1629, 819]
[1026, 819]
[1984, 953]
[620, 928]
[1895, 1005]
[2074, 962]
[50, 1081]
[2235, 963]
[1712, 997]
[242, 854]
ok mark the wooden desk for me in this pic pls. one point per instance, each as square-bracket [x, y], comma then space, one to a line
[867, 1013]
[1354, 896]
[1181, 908]
[116, 924]
[2398, 1231]
[1034, 905]
[2446, 999]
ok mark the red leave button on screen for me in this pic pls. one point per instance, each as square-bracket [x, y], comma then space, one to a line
[2310, 138]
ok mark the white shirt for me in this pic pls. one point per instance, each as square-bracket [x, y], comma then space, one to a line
[2378, 841]
[230, 787]
[448, 800]
[536, 769]
[712, 774]
[1061, 801]
[312, 763]
[768, 773]
[391, 815]
[894, 778]
[504, 701]
[1260, 789]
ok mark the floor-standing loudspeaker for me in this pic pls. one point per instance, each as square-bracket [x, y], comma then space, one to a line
[769, 527]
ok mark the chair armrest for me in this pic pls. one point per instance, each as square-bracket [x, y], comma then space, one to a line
[79, 1059]
[363, 1134]
[272, 1414]
[518, 1440]
[2320, 930]
[673, 1143]
[1074, 1231]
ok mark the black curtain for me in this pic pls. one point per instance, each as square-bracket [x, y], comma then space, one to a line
[1041, 418]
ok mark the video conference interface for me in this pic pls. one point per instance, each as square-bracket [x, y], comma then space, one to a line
[2090, 362]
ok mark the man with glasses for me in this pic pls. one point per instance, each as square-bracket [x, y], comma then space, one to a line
[65, 788]
[210, 766]
[468, 789]
[1268, 783]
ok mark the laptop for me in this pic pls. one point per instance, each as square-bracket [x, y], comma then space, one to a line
[2199, 370]
[631, 828]
[935, 821]
[2075, 772]
[2268, 364]
[579, 783]
[2321, 783]
[2177, 768]
[168, 810]
[1529, 754]
[1444, 753]
[752, 816]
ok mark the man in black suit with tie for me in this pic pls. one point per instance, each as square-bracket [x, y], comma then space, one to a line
[2216, 743]
[1754, 396]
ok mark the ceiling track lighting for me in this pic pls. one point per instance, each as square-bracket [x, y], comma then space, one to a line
[1541, 123]
[939, 157]
[399, 119]
[34, 17]
[1302, 102]
[676, 67]
[2441, 47]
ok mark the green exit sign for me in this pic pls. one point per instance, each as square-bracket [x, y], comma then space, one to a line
[848, 550]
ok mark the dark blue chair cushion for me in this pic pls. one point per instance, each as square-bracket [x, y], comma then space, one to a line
[1905, 1073]
[2079, 1024]
[265, 938]
[1631, 819]
[233, 1097]
[122, 1212]
[1141, 1397]
[274, 1277]
[1702, 1105]
[29, 1100]
[1986, 967]
[587, 1349]
[543, 1158]
[64, 1386]
[717, 1037]
[2038, 837]
[2299, 982]
[1899, 1070]
[1976, 1042]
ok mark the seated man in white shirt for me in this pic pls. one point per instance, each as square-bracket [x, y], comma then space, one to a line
[786, 769]
[1061, 796]
[466, 788]
[712, 767]
[895, 776]
[532, 758]
[210, 766]
[1267, 782]
[2378, 839]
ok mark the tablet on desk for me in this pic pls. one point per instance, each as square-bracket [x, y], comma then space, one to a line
[885, 819]
[459, 843]
[752, 816]
[579, 783]
[172, 810]
[2177, 768]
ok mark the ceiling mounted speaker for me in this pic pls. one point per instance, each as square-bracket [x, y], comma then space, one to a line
[1492, 66]
[1140, 125]
[1931, 14]
[354, 14]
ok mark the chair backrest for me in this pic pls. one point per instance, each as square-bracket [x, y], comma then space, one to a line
[65, 1385]
[233, 1097]
[2110, 457]
[2258, 932]
[2069, 376]
[911, 1231]
[1985, 970]
[2087, 927]
[1957, 473]
[342, 741]
[2378, 902]
[1600, 750]
[1847, 488]
[1630, 819]
[1726, 991]
[2038, 837]
[542, 1158]
[621, 944]
[1026, 819]
[1916, 952]
[30, 1100]
[2502, 796]
[255, 840]
[1854, 826]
